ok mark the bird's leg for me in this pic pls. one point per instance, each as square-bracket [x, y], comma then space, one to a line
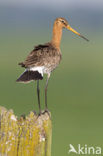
[38, 94]
[46, 86]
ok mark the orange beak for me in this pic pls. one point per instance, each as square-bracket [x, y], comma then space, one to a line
[74, 31]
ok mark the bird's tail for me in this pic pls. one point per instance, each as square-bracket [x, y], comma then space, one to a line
[28, 76]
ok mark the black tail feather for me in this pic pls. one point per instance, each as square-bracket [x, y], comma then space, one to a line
[28, 76]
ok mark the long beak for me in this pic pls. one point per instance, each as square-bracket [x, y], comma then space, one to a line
[74, 31]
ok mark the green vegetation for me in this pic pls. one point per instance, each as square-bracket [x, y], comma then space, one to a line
[75, 92]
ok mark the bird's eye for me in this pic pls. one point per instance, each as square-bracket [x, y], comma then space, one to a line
[63, 21]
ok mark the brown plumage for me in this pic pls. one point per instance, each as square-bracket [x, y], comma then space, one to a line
[43, 59]
[43, 55]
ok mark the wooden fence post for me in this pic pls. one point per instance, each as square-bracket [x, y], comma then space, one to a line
[27, 136]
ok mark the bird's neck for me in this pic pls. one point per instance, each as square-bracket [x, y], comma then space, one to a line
[56, 36]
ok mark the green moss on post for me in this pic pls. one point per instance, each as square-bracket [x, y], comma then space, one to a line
[25, 137]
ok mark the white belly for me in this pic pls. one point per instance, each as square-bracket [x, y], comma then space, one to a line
[42, 69]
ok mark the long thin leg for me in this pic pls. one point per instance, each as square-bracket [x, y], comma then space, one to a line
[38, 94]
[46, 86]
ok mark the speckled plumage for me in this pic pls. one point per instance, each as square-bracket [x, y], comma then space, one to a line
[45, 55]
[43, 59]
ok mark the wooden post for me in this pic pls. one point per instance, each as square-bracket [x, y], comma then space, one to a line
[28, 136]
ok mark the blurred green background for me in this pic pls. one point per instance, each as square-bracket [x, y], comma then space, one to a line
[75, 92]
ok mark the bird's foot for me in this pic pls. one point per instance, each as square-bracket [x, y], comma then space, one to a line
[46, 111]
[40, 113]
[34, 112]
[43, 112]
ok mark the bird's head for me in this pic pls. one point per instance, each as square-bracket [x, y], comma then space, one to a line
[63, 23]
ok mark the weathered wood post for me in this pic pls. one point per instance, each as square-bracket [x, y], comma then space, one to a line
[29, 136]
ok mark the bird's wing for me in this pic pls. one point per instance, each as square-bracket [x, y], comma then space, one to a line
[40, 56]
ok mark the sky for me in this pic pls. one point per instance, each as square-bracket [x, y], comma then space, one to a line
[62, 4]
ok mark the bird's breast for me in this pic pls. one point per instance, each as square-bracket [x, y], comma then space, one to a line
[52, 63]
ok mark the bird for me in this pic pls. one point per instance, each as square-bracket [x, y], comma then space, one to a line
[44, 58]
